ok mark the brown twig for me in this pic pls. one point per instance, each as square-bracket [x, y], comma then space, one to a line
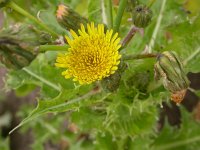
[129, 36]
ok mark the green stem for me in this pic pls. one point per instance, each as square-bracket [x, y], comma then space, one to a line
[110, 14]
[155, 32]
[138, 56]
[20, 10]
[54, 86]
[118, 18]
[44, 48]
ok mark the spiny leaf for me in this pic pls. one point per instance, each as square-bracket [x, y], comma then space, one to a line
[186, 43]
[60, 103]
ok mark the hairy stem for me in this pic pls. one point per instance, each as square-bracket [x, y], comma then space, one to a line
[118, 18]
[155, 32]
[139, 56]
[20, 10]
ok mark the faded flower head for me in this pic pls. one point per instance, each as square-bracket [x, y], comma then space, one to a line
[68, 18]
[60, 11]
[93, 54]
[170, 69]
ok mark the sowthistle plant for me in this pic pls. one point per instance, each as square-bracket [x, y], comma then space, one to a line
[95, 54]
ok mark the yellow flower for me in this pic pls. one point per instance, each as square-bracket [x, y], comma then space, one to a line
[93, 54]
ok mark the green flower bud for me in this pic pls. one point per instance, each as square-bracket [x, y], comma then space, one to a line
[170, 69]
[69, 19]
[141, 16]
[17, 45]
[111, 83]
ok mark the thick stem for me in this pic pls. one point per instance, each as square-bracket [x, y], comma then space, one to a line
[139, 56]
[44, 48]
[20, 10]
[118, 18]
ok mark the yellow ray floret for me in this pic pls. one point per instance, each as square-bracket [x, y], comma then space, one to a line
[93, 54]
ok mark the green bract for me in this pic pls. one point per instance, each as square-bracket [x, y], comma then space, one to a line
[170, 69]
[141, 16]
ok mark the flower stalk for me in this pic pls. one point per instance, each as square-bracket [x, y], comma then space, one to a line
[122, 6]
[129, 36]
[139, 56]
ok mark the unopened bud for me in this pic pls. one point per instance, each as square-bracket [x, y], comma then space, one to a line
[68, 18]
[141, 16]
[17, 45]
[111, 83]
[170, 69]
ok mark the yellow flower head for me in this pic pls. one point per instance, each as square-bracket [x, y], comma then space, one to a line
[93, 54]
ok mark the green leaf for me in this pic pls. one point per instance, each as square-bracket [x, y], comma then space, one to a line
[131, 120]
[40, 73]
[95, 11]
[186, 43]
[61, 103]
[87, 121]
